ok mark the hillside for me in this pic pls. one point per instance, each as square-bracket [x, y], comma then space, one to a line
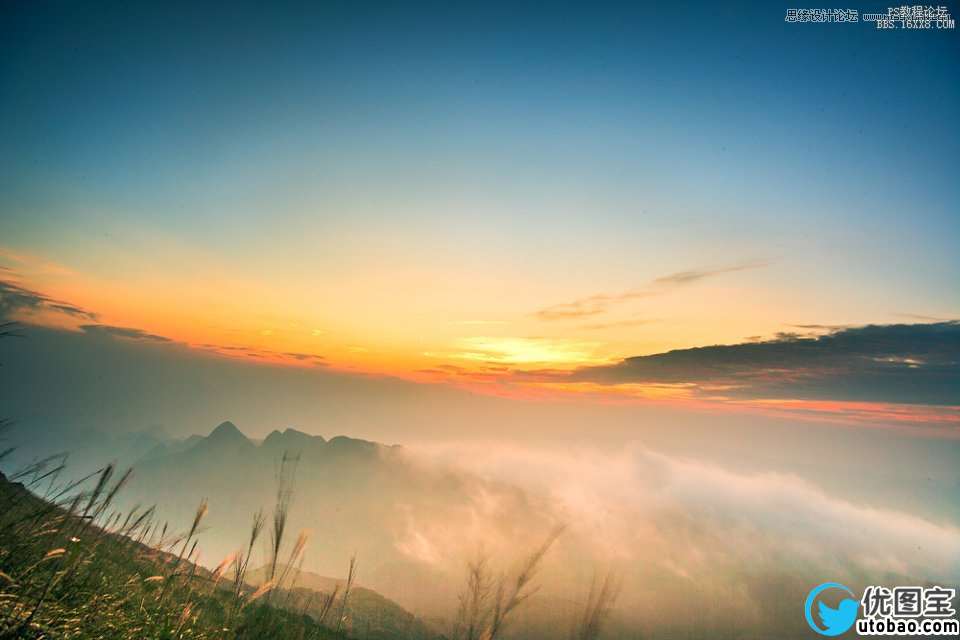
[72, 566]
[371, 615]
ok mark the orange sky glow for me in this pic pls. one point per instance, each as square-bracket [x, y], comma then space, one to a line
[509, 351]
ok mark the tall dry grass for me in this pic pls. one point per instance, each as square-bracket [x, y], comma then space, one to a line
[487, 603]
[598, 607]
[74, 565]
[351, 573]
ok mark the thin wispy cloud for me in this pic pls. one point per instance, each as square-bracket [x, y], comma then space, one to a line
[616, 324]
[601, 303]
[589, 306]
[923, 318]
[20, 303]
[263, 354]
[822, 327]
[15, 300]
[128, 333]
[686, 277]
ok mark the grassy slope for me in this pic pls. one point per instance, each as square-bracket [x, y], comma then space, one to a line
[371, 615]
[67, 572]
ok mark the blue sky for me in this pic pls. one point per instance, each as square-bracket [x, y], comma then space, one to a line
[386, 175]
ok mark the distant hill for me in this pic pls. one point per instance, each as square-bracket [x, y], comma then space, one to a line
[88, 450]
[369, 614]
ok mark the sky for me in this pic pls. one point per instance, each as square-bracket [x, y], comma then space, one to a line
[560, 205]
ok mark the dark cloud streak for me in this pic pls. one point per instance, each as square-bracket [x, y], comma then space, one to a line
[15, 299]
[128, 333]
[905, 363]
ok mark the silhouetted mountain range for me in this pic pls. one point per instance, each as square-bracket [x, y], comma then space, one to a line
[355, 496]
[226, 437]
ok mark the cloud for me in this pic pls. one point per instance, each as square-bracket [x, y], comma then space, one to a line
[22, 304]
[922, 318]
[262, 354]
[602, 302]
[915, 364]
[122, 332]
[305, 357]
[589, 306]
[616, 324]
[688, 532]
[686, 277]
[15, 300]
[822, 327]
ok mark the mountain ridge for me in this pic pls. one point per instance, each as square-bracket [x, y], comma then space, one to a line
[226, 437]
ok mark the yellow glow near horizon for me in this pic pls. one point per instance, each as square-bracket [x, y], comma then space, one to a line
[523, 351]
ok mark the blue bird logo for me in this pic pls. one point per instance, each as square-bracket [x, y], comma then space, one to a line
[835, 621]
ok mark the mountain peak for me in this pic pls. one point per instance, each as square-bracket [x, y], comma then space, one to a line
[352, 446]
[292, 438]
[226, 431]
